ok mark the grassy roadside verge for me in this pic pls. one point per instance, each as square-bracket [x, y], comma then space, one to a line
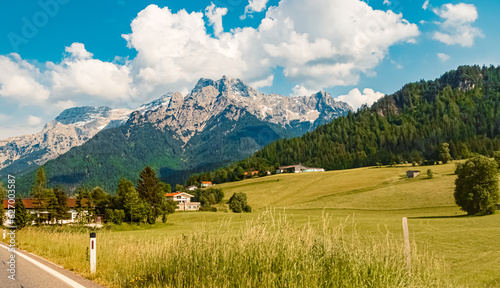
[267, 251]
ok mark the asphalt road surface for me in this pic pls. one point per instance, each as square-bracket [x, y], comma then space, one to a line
[32, 271]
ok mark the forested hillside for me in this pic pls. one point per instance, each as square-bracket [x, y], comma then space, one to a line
[461, 108]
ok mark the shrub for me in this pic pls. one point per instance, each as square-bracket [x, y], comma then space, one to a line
[238, 203]
[247, 208]
[430, 174]
[114, 216]
[208, 208]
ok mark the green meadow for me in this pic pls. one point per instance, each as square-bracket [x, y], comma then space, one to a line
[343, 225]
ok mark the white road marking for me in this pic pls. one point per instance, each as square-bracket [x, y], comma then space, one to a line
[61, 277]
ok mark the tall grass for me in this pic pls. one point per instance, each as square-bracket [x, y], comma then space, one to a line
[267, 252]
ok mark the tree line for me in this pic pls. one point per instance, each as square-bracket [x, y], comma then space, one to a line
[144, 203]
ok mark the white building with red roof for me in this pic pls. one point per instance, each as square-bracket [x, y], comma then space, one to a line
[183, 201]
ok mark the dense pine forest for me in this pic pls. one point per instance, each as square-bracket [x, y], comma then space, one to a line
[461, 108]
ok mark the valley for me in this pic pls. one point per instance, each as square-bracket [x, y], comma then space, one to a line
[367, 202]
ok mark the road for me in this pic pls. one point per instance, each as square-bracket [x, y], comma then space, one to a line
[32, 271]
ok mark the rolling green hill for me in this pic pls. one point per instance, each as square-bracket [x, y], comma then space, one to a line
[374, 200]
[368, 188]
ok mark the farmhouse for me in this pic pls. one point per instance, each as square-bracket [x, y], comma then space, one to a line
[31, 205]
[412, 173]
[191, 188]
[183, 201]
[206, 184]
[252, 173]
[297, 169]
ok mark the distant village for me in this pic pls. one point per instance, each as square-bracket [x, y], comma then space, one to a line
[181, 198]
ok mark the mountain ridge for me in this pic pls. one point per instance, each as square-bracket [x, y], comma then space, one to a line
[216, 123]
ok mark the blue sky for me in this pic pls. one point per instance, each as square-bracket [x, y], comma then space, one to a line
[56, 54]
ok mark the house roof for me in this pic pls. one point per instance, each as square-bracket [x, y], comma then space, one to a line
[172, 194]
[252, 172]
[292, 166]
[413, 171]
[32, 203]
[206, 182]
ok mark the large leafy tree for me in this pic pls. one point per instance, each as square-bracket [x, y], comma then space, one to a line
[100, 199]
[149, 189]
[135, 208]
[476, 190]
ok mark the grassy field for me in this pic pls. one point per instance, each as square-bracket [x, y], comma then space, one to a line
[367, 202]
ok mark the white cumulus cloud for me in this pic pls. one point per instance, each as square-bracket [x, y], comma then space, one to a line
[443, 57]
[426, 5]
[254, 6]
[214, 16]
[355, 98]
[34, 121]
[318, 44]
[81, 75]
[457, 29]
[20, 80]
[78, 51]
[300, 90]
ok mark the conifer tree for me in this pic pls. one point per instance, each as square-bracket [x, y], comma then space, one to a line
[23, 217]
[38, 192]
[62, 203]
[444, 153]
[3, 194]
[150, 191]
[51, 205]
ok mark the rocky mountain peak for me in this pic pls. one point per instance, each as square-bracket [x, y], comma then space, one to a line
[225, 86]
[208, 99]
[163, 101]
[81, 114]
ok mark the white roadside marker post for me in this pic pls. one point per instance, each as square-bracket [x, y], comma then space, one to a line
[407, 244]
[93, 260]
[3, 233]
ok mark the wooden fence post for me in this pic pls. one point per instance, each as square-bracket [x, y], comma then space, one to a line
[407, 244]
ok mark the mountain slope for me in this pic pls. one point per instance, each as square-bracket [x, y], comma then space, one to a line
[461, 108]
[217, 123]
[71, 128]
